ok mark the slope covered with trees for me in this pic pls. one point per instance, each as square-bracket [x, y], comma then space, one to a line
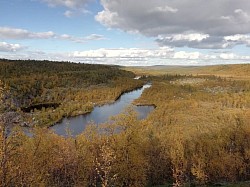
[42, 92]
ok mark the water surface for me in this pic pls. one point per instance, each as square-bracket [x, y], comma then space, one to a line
[102, 114]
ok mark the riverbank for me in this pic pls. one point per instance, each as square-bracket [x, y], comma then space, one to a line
[102, 113]
[83, 103]
[41, 93]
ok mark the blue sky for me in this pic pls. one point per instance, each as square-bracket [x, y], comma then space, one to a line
[126, 32]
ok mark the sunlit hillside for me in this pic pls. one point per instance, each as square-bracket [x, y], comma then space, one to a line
[239, 71]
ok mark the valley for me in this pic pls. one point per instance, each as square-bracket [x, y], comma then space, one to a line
[197, 134]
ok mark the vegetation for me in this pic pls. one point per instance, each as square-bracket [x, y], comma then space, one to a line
[43, 92]
[235, 71]
[198, 135]
[203, 126]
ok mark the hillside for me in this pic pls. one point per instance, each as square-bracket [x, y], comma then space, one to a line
[240, 71]
[197, 135]
[42, 92]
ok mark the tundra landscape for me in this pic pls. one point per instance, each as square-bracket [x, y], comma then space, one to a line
[124, 93]
[198, 133]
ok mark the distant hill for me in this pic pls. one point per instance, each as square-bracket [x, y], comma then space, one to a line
[229, 70]
[232, 70]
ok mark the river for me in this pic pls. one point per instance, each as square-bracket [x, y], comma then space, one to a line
[101, 114]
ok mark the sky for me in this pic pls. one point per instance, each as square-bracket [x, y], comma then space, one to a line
[127, 32]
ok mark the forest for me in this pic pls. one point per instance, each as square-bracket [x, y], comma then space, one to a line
[41, 93]
[198, 134]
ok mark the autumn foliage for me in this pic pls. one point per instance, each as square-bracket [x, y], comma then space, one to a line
[198, 134]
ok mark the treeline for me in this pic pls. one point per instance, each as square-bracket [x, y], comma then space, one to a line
[73, 88]
[16, 68]
[239, 71]
[30, 79]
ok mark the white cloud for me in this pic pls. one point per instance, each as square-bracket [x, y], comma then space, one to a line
[175, 20]
[242, 16]
[124, 56]
[165, 9]
[238, 39]
[75, 7]
[14, 33]
[125, 53]
[181, 40]
[189, 37]
[193, 40]
[21, 34]
[227, 56]
[186, 55]
[67, 3]
[204, 41]
[68, 13]
[233, 56]
[7, 47]
[108, 18]
[134, 57]
[92, 37]
[228, 18]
